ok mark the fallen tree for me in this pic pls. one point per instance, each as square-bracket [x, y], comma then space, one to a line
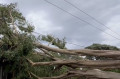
[21, 54]
[97, 74]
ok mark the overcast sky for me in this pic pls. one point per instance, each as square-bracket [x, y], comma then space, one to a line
[48, 19]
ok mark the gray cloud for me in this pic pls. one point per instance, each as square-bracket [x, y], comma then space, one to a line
[49, 19]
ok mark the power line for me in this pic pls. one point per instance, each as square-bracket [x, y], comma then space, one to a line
[81, 19]
[65, 42]
[91, 17]
[75, 44]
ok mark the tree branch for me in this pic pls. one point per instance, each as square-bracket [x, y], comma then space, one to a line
[14, 28]
[93, 73]
[99, 53]
[81, 63]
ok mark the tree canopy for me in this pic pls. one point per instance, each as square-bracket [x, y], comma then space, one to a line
[102, 47]
[17, 45]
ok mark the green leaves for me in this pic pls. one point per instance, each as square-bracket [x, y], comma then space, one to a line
[28, 29]
[102, 47]
[16, 45]
[54, 41]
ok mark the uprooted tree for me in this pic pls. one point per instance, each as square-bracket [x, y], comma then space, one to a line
[23, 56]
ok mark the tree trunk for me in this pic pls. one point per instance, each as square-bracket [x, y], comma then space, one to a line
[0, 72]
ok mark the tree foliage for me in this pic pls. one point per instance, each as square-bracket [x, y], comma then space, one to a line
[100, 47]
[17, 45]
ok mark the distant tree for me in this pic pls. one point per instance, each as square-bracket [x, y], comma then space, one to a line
[100, 47]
